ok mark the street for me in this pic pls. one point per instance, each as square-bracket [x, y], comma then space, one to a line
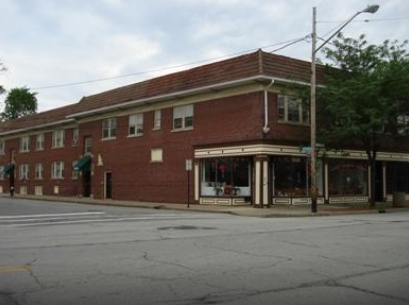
[68, 253]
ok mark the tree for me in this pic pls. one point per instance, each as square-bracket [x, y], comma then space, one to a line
[366, 100]
[18, 103]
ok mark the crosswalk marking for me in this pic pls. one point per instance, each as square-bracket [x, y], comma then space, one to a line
[77, 218]
[52, 215]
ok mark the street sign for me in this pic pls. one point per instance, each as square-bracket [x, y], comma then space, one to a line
[188, 164]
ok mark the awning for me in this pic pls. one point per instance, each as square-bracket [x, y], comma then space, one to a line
[8, 169]
[82, 163]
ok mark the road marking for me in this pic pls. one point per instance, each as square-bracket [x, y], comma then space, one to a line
[14, 268]
[91, 221]
[51, 215]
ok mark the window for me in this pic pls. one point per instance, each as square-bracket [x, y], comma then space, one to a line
[183, 117]
[39, 171]
[226, 177]
[292, 110]
[87, 145]
[156, 155]
[2, 147]
[75, 136]
[57, 170]
[157, 120]
[135, 124]
[109, 128]
[347, 177]
[40, 142]
[25, 144]
[23, 173]
[2, 173]
[58, 139]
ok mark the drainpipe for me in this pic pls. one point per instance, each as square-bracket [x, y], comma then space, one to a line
[266, 129]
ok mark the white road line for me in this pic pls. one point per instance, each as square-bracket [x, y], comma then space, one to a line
[51, 215]
[89, 221]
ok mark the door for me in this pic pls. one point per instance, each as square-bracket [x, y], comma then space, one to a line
[86, 182]
[108, 185]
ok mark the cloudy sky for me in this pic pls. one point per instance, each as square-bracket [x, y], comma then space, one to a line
[64, 50]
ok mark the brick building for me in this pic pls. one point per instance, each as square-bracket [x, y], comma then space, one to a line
[234, 122]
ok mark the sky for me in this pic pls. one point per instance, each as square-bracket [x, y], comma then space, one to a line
[64, 50]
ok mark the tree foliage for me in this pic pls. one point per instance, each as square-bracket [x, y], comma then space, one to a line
[18, 103]
[366, 100]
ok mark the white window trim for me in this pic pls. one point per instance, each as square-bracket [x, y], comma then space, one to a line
[58, 139]
[56, 172]
[110, 128]
[23, 171]
[40, 139]
[25, 144]
[39, 171]
[157, 119]
[135, 121]
[183, 112]
[301, 110]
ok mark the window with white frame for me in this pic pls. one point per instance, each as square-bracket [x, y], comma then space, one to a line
[57, 170]
[75, 136]
[39, 171]
[25, 144]
[157, 119]
[292, 110]
[2, 147]
[87, 144]
[58, 139]
[109, 128]
[40, 142]
[23, 172]
[183, 117]
[135, 124]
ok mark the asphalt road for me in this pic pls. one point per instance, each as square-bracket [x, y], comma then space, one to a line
[65, 253]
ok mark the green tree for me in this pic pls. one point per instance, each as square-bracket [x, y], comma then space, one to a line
[18, 103]
[366, 100]
[2, 68]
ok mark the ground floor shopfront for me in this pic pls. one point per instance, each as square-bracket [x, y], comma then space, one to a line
[266, 174]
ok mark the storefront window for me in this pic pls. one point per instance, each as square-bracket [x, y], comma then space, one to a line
[226, 177]
[347, 177]
[290, 177]
[398, 177]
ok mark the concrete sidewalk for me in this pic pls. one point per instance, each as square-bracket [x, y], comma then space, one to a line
[247, 210]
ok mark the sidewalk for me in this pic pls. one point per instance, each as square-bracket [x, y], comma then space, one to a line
[248, 210]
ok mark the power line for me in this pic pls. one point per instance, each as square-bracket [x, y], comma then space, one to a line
[69, 84]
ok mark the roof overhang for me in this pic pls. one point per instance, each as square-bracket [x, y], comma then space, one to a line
[184, 93]
[36, 127]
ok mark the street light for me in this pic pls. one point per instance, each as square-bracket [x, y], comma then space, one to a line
[370, 9]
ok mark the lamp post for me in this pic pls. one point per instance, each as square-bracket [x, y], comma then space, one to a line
[370, 9]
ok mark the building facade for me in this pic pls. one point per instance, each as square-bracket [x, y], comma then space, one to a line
[230, 132]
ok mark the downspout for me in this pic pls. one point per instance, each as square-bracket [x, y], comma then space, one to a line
[266, 129]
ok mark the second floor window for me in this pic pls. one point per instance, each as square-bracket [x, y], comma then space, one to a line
[58, 139]
[109, 128]
[57, 170]
[183, 117]
[40, 142]
[157, 119]
[135, 124]
[292, 110]
[75, 136]
[24, 144]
